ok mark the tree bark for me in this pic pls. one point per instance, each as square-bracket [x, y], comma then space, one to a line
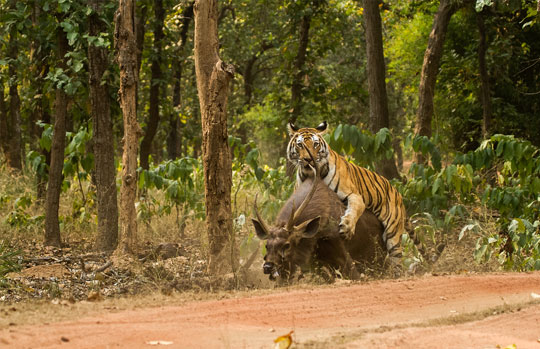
[378, 100]
[52, 203]
[299, 63]
[213, 77]
[126, 46]
[105, 175]
[484, 77]
[430, 67]
[14, 147]
[155, 84]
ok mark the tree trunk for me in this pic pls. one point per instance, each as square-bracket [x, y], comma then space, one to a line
[105, 175]
[126, 46]
[299, 63]
[52, 226]
[3, 119]
[14, 150]
[213, 77]
[430, 68]
[378, 100]
[174, 138]
[484, 77]
[140, 29]
[155, 84]
[40, 67]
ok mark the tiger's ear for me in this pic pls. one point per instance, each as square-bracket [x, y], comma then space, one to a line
[322, 128]
[291, 128]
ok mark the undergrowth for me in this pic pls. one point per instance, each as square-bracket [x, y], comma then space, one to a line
[491, 195]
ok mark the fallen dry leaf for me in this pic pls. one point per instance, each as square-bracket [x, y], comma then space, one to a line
[283, 342]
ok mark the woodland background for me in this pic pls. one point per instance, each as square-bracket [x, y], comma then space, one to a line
[460, 132]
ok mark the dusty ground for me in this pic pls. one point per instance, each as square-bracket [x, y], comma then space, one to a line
[452, 311]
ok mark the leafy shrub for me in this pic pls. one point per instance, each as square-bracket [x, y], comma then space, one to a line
[8, 260]
[502, 175]
[517, 249]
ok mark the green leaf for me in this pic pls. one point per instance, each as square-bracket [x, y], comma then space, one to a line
[337, 132]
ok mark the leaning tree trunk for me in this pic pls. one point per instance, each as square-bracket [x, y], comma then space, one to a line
[484, 77]
[213, 77]
[126, 46]
[430, 68]
[52, 200]
[378, 100]
[155, 84]
[105, 175]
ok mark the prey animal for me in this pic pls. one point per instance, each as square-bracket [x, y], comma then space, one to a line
[307, 235]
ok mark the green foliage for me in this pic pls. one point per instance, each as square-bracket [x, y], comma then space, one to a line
[78, 162]
[365, 147]
[245, 154]
[181, 182]
[9, 260]
[517, 249]
[501, 175]
[516, 187]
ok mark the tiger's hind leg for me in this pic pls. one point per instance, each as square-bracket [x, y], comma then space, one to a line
[392, 240]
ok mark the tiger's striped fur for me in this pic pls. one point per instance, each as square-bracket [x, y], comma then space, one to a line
[360, 188]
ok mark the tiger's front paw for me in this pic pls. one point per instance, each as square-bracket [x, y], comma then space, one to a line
[346, 228]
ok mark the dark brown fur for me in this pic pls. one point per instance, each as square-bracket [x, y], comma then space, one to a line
[319, 242]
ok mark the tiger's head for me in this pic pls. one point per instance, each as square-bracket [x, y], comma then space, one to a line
[312, 139]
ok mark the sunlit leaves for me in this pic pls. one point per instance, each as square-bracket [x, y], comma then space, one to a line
[365, 147]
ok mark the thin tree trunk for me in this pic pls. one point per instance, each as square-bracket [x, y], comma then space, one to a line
[41, 112]
[105, 175]
[249, 73]
[3, 119]
[155, 85]
[378, 100]
[52, 226]
[140, 29]
[14, 151]
[174, 138]
[430, 67]
[213, 77]
[484, 77]
[299, 63]
[126, 46]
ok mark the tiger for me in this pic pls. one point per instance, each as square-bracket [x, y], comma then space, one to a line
[356, 186]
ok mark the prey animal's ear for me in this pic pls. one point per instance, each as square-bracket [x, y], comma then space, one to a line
[322, 128]
[309, 228]
[259, 229]
[291, 128]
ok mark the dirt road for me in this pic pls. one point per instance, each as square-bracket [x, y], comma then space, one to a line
[458, 311]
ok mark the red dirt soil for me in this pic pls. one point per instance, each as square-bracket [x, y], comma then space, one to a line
[378, 314]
